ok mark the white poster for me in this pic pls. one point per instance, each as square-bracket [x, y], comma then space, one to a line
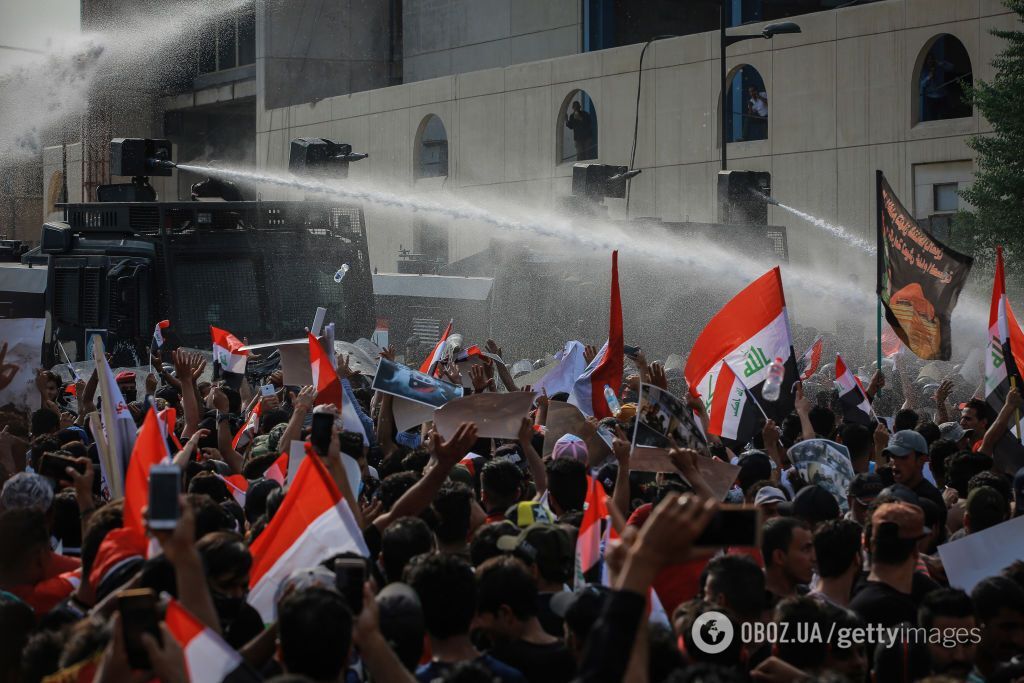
[24, 339]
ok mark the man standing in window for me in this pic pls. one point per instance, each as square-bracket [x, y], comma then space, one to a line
[582, 128]
[757, 114]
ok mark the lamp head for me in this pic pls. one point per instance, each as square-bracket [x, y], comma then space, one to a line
[772, 30]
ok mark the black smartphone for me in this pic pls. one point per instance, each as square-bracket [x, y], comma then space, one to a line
[55, 466]
[138, 615]
[164, 489]
[320, 437]
[349, 577]
[630, 351]
[736, 526]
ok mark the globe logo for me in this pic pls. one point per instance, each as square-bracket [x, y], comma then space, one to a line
[712, 632]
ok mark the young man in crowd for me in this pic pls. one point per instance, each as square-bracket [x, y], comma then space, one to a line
[787, 547]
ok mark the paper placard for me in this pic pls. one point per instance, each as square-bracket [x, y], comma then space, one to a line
[409, 414]
[978, 556]
[296, 454]
[719, 476]
[497, 416]
[565, 418]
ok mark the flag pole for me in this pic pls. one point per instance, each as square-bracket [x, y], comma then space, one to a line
[1016, 413]
[880, 264]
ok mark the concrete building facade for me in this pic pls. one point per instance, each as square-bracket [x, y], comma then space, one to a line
[845, 97]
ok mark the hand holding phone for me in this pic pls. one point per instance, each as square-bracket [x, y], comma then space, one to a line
[323, 429]
[55, 466]
[349, 576]
[138, 608]
[164, 489]
[267, 390]
[735, 526]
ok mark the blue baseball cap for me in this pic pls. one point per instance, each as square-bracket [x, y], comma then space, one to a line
[905, 442]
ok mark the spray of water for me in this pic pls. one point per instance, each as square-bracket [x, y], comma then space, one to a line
[593, 234]
[831, 228]
[45, 96]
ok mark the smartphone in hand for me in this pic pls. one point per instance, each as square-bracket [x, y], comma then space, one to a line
[323, 428]
[349, 576]
[55, 466]
[734, 526]
[138, 608]
[164, 489]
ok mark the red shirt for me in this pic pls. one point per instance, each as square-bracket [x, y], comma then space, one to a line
[676, 583]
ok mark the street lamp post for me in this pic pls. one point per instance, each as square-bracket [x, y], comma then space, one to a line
[768, 32]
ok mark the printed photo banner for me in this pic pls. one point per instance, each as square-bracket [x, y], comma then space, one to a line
[662, 418]
[825, 463]
[404, 382]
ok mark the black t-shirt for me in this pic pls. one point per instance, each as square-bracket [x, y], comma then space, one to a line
[926, 489]
[551, 622]
[538, 663]
[879, 603]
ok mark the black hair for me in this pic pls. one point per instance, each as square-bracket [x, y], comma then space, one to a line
[982, 409]
[416, 460]
[447, 590]
[567, 482]
[944, 602]
[929, 430]
[802, 615]
[224, 553]
[777, 534]
[883, 543]
[995, 594]
[256, 498]
[209, 515]
[1015, 571]
[502, 481]
[393, 486]
[315, 633]
[823, 421]
[402, 541]
[994, 480]
[351, 444]
[40, 655]
[905, 419]
[16, 621]
[274, 500]
[938, 455]
[663, 655]
[67, 520]
[272, 418]
[453, 507]
[506, 581]
[836, 543]
[484, 545]
[44, 421]
[209, 484]
[986, 507]
[22, 532]
[857, 438]
[961, 466]
[234, 399]
[256, 467]
[740, 581]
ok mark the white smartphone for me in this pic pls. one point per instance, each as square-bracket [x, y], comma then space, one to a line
[164, 489]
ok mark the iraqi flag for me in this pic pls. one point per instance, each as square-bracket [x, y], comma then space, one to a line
[852, 396]
[748, 333]
[313, 523]
[811, 360]
[118, 437]
[430, 364]
[249, 430]
[735, 414]
[595, 532]
[329, 390]
[150, 449]
[207, 657]
[1005, 342]
[227, 351]
[158, 332]
[279, 470]
[606, 368]
[237, 485]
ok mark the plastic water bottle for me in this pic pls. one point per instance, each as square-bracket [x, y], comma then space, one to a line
[611, 399]
[773, 385]
[340, 275]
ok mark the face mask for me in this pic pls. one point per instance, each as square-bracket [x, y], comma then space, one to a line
[227, 608]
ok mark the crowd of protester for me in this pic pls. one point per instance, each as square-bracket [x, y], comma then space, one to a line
[472, 558]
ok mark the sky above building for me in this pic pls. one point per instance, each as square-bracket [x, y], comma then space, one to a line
[34, 24]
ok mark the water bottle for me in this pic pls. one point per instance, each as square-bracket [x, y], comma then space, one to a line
[340, 275]
[773, 385]
[611, 399]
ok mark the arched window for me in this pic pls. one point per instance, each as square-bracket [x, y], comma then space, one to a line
[577, 128]
[943, 76]
[431, 148]
[746, 106]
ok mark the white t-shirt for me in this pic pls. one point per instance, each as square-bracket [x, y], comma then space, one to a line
[760, 106]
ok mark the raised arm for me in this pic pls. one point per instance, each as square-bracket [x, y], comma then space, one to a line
[302, 403]
[803, 410]
[536, 465]
[621, 449]
[1003, 422]
[420, 495]
[184, 365]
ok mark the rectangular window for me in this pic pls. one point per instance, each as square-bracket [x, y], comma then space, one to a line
[945, 198]
[227, 43]
[247, 38]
